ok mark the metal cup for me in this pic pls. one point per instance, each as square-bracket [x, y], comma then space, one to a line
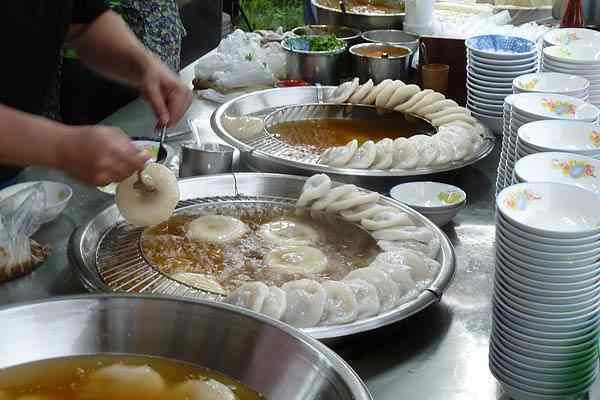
[205, 159]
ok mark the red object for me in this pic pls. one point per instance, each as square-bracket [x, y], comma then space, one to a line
[292, 83]
[573, 16]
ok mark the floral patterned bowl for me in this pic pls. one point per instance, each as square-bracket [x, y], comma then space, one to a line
[536, 106]
[572, 169]
[563, 136]
[501, 47]
[574, 54]
[550, 209]
[568, 36]
[551, 82]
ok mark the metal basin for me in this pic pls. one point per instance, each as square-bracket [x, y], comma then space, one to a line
[380, 68]
[217, 336]
[330, 13]
[392, 36]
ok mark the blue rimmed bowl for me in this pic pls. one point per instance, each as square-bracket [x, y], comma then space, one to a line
[501, 47]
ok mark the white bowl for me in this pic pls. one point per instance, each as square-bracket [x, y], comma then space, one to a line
[483, 109]
[554, 106]
[58, 196]
[501, 47]
[429, 196]
[497, 104]
[571, 136]
[572, 169]
[574, 54]
[492, 89]
[545, 209]
[481, 80]
[504, 68]
[582, 70]
[489, 73]
[549, 82]
[568, 36]
[507, 81]
[495, 61]
[441, 218]
[487, 94]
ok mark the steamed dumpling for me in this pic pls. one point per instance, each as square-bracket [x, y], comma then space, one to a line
[303, 260]
[288, 233]
[364, 156]
[361, 212]
[400, 274]
[341, 306]
[314, 188]
[216, 229]
[418, 233]
[367, 299]
[426, 149]
[333, 195]
[305, 303]
[343, 92]
[384, 154]
[251, 295]
[339, 156]
[387, 291]
[275, 303]
[405, 154]
[386, 219]
[197, 389]
[362, 92]
[430, 249]
[123, 382]
[353, 199]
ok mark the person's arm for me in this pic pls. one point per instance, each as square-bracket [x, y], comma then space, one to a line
[96, 155]
[108, 46]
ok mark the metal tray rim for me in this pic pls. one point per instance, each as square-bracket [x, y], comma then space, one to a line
[432, 294]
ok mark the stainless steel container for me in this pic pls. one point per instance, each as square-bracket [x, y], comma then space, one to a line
[329, 12]
[380, 68]
[349, 35]
[322, 67]
[205, 159]
[227, 339]
[392, 36]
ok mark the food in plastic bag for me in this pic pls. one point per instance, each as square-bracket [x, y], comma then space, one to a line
[241, 60]
[20, 217]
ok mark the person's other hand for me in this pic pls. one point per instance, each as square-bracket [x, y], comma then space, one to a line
[98, 155]
[168, 96]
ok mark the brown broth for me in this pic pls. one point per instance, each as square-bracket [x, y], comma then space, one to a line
[366, 6]
[379, 52]
[65, 378]
[315, 135]
[347, 247]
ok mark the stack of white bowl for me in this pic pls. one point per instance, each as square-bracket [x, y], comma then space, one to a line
[546, 303]
[553, 82]
[582, 60]
[529, 107]
[567, 36]
[582, 138]
[439, 202]
[493, 62]
[568, 168]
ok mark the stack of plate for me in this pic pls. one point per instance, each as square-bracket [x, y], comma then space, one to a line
[502, 174]
[529, 107]
[567, 36]
[546, 304]
[576, 137]
[582, 60]
[568, 168]
[494, 61]
[553, 82]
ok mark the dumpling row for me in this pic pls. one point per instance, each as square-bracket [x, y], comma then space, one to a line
[396, 275]
[458, 137]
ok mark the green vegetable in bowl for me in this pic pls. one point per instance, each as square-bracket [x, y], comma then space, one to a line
[325, 43]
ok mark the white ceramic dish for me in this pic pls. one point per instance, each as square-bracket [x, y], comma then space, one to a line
[572, 169]
[582, 70]
[431, 196]
[483, 109]
[496, 104]
[568, 36]
[489, 73]
[574, 54]
[494, 61]
[548, 82]
[493, 79]
[503, 68]
[487, 83]
[487, 95]
[554, 106]
[492, 89]
[58, 196]
[572, 136]
[501, 47]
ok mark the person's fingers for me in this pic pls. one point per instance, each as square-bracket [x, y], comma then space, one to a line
[154, 95]
[178, 101]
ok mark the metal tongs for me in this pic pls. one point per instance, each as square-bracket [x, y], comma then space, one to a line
[161, 156]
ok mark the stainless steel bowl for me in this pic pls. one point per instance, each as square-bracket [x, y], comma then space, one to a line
[224, 338]
[314, 66]
[329, 12]
[392, 36]
[380, 68]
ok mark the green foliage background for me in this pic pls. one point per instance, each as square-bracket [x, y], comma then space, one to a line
[271, 14]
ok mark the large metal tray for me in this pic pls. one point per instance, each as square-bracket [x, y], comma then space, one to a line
[266, 154]
[107, 254]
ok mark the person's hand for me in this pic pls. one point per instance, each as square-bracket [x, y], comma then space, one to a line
[168, 96]
[98, 155]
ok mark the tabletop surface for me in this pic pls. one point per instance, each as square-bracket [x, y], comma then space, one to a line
[440, 353]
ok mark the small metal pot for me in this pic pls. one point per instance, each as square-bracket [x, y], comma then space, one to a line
[380, 68]
[334, 12]
[392, 36]
[349, 35]
[322, 67]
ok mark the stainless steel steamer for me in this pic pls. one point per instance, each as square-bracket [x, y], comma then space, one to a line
[108, 256]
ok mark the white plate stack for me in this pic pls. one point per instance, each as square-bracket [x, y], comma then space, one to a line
[552, 82]
[582, 60]
[568, 168]
[528, 107]
[567, 36]
[493, 62]
[546, 303]
[575, 137]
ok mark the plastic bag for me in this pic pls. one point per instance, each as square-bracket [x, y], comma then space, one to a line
[20, 217]
[245, 74]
